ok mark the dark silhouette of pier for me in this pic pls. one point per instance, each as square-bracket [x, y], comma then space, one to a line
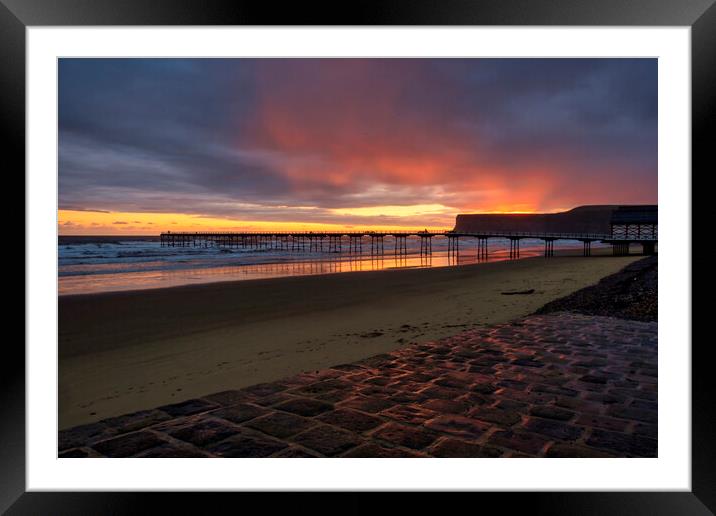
[620, 226]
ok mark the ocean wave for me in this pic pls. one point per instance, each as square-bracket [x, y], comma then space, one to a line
[114, 256]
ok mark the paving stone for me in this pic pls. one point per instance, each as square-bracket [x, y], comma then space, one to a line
[623, 443]
[327, 440]
[305, 406]
[374, 451]
[420, 377]
[528, 397]
[506, 404]
[366, 404]
[294, 452]
[529, 443]
[240, 412]
[299, 379]
[446, 406]
[575, 451]
[483, 387]
[473, 399]
[589, 378]
[189, 407]
[84, 435]
[78, 453]
[178, 422]
[264, 389]
[551, 412]
[499, 416]
[468, 353]
[325, 374]
[527, 362]
[204, 432]
[588, 386]
[322, 387]
[137, 420]
[458, 425]
[273, 399]
[512, 384]
[555, 389]
[171, 450]
[350, 420]
[449, 447]
[378, 380]
[375, 391]
[444, 393]
[644, 404]
[402, 435]
[641, 394]
[509, 454]
[227, 398]
[407, 397]
[455, 381]
[647, 416]
[249, 446]
[592, 362]
[127, 445]
[411, 414]
[651, 372]
[646, 429]
[334, 396]
[579, 405]
[608, 423]
[281, 424]
[553, 429]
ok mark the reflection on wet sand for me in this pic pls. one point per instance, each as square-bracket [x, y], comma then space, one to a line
[345, 262]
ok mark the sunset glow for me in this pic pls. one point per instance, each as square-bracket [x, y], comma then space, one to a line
[152, 145]
[124, 223]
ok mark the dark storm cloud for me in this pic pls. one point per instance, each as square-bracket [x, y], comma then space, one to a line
[257, 138]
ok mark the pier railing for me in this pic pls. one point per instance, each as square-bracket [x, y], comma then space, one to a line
[401, 233]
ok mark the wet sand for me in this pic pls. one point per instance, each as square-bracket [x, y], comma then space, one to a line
[127, 351]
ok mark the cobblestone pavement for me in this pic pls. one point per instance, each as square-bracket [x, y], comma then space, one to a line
[559, 385]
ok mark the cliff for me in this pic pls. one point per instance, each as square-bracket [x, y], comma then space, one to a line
[583, 219]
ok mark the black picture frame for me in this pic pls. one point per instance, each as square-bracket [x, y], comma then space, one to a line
[700, 15]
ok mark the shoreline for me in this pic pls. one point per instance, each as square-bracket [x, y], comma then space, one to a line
[340, 264]
[125, 351]
[563, 253]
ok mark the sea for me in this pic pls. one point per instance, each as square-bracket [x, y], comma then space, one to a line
[91, 264]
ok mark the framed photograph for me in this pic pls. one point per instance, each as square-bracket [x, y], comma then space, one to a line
[412, 249]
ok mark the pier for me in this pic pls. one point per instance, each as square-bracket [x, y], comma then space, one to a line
[619, 226]
[353, 243]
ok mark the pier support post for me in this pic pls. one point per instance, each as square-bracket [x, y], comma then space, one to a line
[587, 248]
[514, 248]
[620, 248]
[425, 245]
[481, 248]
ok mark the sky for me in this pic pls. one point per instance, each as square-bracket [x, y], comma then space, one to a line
[150, 145]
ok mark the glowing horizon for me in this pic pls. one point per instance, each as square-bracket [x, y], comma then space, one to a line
[118, 223]
[77, 223]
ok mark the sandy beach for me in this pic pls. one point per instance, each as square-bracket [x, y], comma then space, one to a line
[127, 351]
